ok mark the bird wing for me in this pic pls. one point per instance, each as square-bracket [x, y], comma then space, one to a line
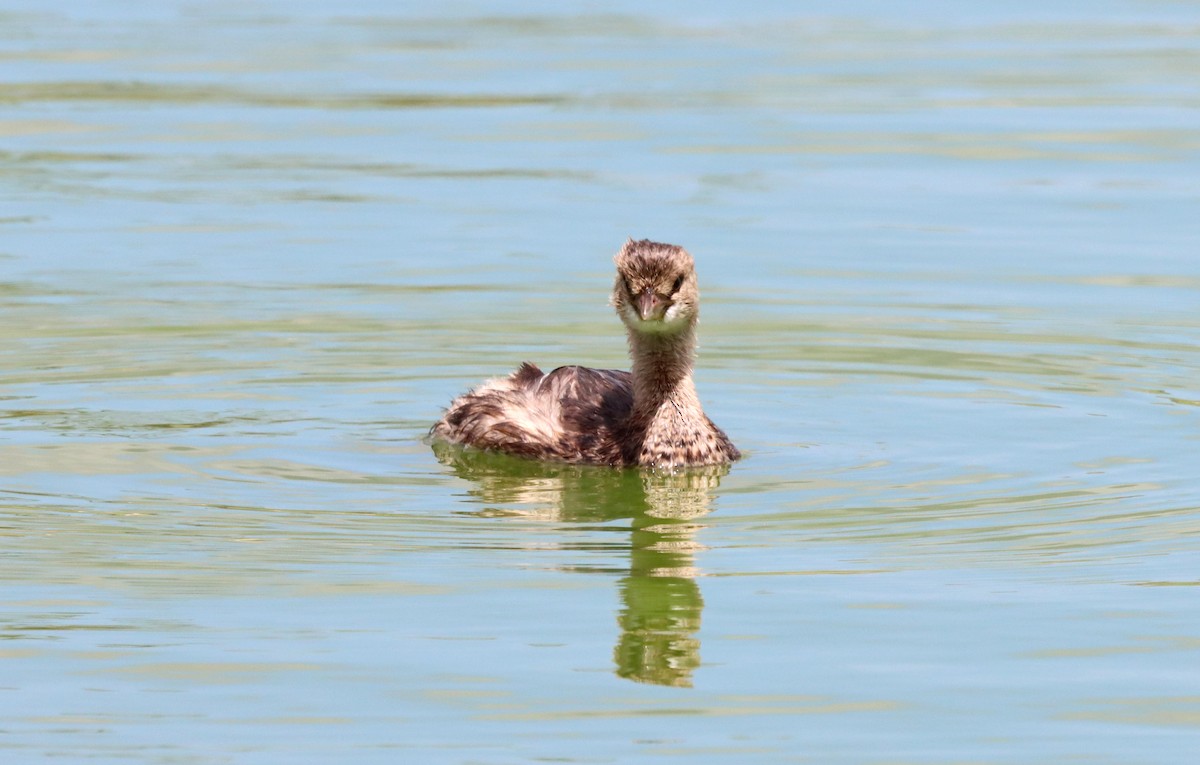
[570, 414]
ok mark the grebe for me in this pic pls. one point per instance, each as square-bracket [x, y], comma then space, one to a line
[651, 417]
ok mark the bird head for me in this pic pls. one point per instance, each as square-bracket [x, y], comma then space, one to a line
[656, 291]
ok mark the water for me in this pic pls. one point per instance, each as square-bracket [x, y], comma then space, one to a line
[249, 250]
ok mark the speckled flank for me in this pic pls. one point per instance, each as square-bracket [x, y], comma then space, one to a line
[651, 417]
[570, 415]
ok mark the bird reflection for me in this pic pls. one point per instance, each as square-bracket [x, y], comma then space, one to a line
[661, 602]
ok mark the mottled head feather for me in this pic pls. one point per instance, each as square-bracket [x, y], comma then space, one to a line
[645, 260]
[655, 290]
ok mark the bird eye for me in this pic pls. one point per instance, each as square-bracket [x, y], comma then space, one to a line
[677, 285]
[628, 286]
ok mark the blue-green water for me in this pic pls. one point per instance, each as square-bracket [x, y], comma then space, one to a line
[951, 314]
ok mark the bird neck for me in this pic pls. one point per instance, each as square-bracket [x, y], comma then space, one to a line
[662, 370]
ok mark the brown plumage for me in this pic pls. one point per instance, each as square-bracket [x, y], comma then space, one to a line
[651, 417]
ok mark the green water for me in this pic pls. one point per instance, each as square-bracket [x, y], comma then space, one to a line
[951, 315]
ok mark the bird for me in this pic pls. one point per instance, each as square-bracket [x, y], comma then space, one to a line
[650, 417]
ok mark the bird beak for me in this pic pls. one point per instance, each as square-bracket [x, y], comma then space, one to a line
[648, 304]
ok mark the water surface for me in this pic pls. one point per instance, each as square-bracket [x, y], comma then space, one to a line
[249, 250]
